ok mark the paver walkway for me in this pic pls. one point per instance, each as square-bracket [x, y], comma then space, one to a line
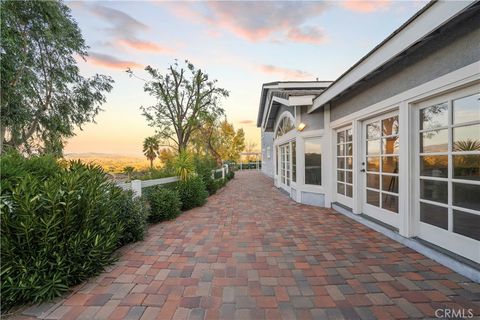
[252, 253]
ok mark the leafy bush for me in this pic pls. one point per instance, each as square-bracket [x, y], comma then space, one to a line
[210, 185]
[184, 165]
[230, 175]
[192, 192]
[59, 226]
[164, 203]
[133, 212]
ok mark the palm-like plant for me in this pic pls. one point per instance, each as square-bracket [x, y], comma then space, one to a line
[184, 165]
[128, 170]
[467, 145]
[150, 149]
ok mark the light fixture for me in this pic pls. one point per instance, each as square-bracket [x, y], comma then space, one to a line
[301, 126]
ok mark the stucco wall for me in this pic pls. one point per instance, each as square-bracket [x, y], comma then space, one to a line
[267, 163]
[314, 121]
[452, 50]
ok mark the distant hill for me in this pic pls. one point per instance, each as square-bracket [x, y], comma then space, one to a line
[110, 162]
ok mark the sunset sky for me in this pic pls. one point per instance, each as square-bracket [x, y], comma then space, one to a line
[242, 44]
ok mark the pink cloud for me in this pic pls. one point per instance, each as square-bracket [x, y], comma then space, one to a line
[247, 122]
[313, 35]
[111, 62]
[285, 73]
[141, 45]
[255, 21]
[365, 6]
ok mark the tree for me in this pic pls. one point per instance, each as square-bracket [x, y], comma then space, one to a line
[150, 149]
[166, 155]
[220, 140]
[44, 97]
[251, 150]
[185, 97]
[128, 170]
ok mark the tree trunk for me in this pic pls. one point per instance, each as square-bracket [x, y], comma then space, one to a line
[151, 163]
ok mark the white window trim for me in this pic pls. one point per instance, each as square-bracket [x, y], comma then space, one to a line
[284, 114]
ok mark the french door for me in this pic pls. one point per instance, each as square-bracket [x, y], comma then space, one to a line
[447, 171]
[344, 166]
[285, 166]
[380, 163]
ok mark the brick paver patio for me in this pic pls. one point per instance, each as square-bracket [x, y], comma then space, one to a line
[252, 253]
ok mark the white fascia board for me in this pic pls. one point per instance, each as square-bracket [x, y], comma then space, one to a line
[281, 100]
[293, 85]
[266, 114]
[306, 100]
[430, 20]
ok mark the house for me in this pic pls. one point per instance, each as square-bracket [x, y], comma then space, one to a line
[396, 138]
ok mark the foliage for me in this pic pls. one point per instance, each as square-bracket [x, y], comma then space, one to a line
[220, 140]
[467, 145]
[128, 170]
[164, 203]
[150, 149]
[133, 214]
[184, 165]
[166, 156]
[192, 193]
[185, 96]
[204, 167]
[44, 97]
[230, 174]
[58, 227]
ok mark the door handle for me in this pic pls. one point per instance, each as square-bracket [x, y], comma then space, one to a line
[363, 170]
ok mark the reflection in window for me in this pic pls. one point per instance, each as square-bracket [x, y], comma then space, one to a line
[466, 224]
[434, 215]
[434, 116]
[466, 195]
[434, 166]
[294, 161]
[466, 109]
[285, 125]
[434, 141]
[313, 161]
[466, 167]
[466, 138]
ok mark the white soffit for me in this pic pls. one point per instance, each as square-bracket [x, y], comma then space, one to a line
[430, 20]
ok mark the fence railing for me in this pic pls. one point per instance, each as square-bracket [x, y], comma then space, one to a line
[137, 185]
[224, 170]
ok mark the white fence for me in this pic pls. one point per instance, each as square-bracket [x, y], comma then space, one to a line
[137, 185]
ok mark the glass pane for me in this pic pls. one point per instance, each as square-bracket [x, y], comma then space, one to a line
[434, 116]
[373, 181]
[373, 130]
[373, 198]
[466, 195]
[434, 190]
[340, 175]
[390, 202]
[466, 224]
[466, 167]
[390, 145]
[373, 164]
[348, 177]
[349, 135]
[390, 183]
[390, 126]
[313, 162]
[349, 149]
[340, 150]
[340, 188]
[348, 190]
[466, 138]
[434, 141]
[466, 109]
[373, 147]
[348, 162]
[390, 164]
[341, 137]
[434, 215]
[340, 163]
[434, 166]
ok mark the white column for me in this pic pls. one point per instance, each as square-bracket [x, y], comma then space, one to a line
[406, 177]
[137, 188]
[358, 159]
[223, 172]
[328, 175]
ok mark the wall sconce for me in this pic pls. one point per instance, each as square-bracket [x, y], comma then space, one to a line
[301, 126]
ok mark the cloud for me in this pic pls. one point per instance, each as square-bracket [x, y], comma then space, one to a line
[256, 21]
[123, 29]
[248, 122]
[285, 73]
[111, 62]
[365, 6]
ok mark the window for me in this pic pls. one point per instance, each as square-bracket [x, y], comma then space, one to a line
[449, 159]
[285, 125]
[345, 162]
[313, 161]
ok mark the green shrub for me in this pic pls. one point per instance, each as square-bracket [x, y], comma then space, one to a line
[192, 192]
[57, 229]
[230, 175]
[210, 185]
[164, 203]
[133, 212]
